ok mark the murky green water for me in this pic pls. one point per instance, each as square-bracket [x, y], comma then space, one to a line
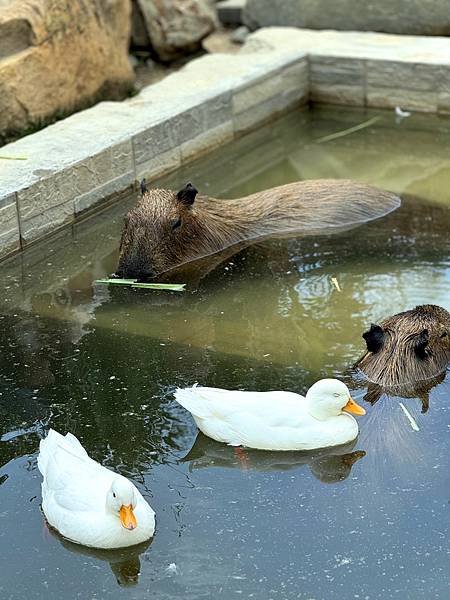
[102, 363]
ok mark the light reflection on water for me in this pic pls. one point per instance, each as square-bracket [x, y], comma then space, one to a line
[368, 520]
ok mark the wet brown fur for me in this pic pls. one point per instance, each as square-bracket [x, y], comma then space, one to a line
[414, 346]
[150, 246]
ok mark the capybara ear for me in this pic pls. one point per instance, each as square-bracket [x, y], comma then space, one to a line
[143, 187]
[420, 344]
[187, 194]
[374, 338]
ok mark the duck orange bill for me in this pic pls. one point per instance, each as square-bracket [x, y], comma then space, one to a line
[354, 408]
[127, 517]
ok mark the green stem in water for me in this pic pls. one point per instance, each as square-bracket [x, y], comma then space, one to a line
[339, 134]
[173, 287]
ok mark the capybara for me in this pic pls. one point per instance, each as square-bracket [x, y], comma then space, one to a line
[409, 347]
[166, 229]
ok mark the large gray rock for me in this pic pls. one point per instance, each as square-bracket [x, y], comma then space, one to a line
[176, 27]
[416, 17]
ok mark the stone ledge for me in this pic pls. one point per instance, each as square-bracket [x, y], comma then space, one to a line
[96, 196]
[9, 225]
[75, 164]
[368, 69]
[206, 141]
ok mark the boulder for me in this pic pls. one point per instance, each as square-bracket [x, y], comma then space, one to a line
[60, 55]
[175, 27]
[415, 17]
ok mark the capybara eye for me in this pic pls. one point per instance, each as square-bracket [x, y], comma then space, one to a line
[176, 223]
[443, 335]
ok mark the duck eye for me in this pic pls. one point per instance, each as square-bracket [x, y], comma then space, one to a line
[176, 223]
[114, 494]
[336, 395]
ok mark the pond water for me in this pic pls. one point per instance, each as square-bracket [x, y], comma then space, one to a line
[367, 521]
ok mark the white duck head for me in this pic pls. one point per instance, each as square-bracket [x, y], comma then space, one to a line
[329, 397]
[121, 501]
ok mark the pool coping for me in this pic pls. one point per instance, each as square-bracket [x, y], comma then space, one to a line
[73, 167]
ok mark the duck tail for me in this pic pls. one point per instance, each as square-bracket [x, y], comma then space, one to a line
[47, 447]
[50, 444]
[192, 400]
[73, 444]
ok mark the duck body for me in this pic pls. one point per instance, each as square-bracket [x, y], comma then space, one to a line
[81, 498]
[275, 420]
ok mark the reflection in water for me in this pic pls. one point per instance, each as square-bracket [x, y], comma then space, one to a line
[277, 290]
[124, 562]
[329, 465]
[420, 390]
[102, 363]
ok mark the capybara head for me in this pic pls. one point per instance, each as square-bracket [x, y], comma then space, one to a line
[158, 233]
[409, 347]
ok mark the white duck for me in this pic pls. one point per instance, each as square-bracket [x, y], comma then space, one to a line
[275, 420]
[87, 503]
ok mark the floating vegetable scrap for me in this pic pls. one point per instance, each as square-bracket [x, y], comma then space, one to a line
[339, 134]
[335, 282]
[173, 287]
[410, 418]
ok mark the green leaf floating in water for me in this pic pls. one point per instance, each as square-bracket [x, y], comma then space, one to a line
[173, 287]
[117, 281]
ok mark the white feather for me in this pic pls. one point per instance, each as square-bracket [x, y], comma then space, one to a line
[274, 420]
[74, 494]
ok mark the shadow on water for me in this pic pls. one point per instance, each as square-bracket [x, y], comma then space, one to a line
[125, 563]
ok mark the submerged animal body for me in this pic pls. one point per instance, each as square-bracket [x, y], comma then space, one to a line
[166, 229]
[275, 420]
[87, 503]
[407, 348]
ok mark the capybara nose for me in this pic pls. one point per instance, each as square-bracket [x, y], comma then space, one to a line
[145, 275]
[132, 272]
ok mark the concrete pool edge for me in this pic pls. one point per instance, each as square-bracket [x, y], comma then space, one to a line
[73, 165]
